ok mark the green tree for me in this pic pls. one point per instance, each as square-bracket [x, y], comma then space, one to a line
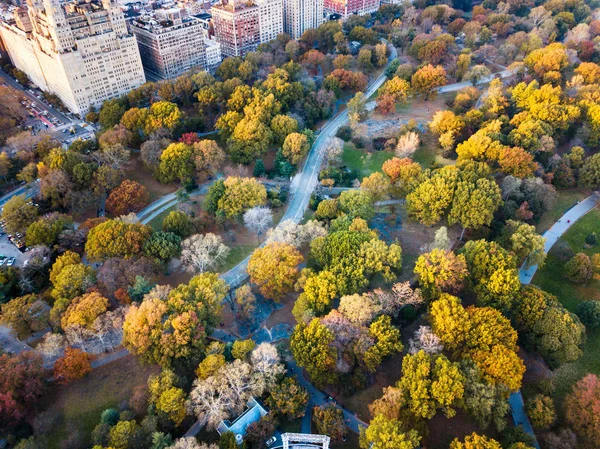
[589, 174]
[524, 242]
[178, 223]
[18, 213]
[541, 412]
[163, 246]
[46, 230]
[110, 113]
[357, 203]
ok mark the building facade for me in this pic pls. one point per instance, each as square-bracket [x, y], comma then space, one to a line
[171, 42]
[270, 19]
[81, 51]
[236, 27]
[348, 7]
[300, 15]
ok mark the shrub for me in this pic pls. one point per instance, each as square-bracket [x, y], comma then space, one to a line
[589, 314]
[592, 239]
[344, 133]
[109, 416]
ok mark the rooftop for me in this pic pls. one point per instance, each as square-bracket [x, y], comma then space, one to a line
[252, 414]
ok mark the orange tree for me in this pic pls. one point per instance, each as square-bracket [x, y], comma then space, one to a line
[74, 365]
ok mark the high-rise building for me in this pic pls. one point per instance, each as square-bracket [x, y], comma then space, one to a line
[171, 42]
[81, 51]
[348, 7]
[236, 27]
[240, 25]
[270, 19]
[300, 15]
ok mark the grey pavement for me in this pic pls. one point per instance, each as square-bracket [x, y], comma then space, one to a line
[10, 343]
[558, 229]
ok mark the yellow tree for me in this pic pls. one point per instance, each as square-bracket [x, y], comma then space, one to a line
[274, 268]
[475, 441]
[427, 79]
[240, 195]
[295, 147]
[377, 185]
[441, 271]
[84, 310]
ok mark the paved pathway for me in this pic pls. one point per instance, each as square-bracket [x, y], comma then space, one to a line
[558, 229]
[526, 275]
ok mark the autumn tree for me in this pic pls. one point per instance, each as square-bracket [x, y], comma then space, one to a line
[74, 365]
[84, 310]
[580, 408]
[18, 213]
[388, 433]
[474, 203]
[377, 186]
[21, 385]
[167, 396]
[208, 156]
[310, 345]
[173, 331]
[288, 399]
[589, 173]
[24, 315]
[475, 441]
[579, 268]
[130, 196]
[239, 195]
[116, 238]
[429, 383]
[274, 268]
[441, 271]
[329, 420]
[427, 79]
[45, 231]
[403, 173]
[524, 242]
[176, 162]
[541, 412]
[295, 147]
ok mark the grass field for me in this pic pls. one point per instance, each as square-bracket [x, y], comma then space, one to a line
[236, 255]
[78, 405]
[156, 222]
[364, 162]
[551, 279]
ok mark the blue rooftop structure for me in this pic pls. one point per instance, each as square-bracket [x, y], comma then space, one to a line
[252, 414]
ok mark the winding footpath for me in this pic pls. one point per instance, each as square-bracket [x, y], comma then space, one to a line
[526, 275]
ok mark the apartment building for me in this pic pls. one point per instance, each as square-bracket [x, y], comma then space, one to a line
[270, 19]
[241, 25]
[300, 15]
[236, 26]
[347, 7]
[171, 42]
[81, 50]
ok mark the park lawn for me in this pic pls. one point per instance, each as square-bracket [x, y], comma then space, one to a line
[564, 201]
[363, 161]
[236, 255]
[137, 171]
[80, 403]
[156, 222]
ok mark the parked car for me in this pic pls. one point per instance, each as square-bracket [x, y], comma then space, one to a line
[271, 441]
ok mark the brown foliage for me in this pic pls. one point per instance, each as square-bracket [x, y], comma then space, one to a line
[75, 364]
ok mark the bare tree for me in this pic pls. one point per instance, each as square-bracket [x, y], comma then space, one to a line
[51, 347]
[296, 234]
[202, 252]
[191, 443]
[258, 219]
[407, 144]
[425, 340]
[538, 15]
[266, 363]
[115, 156]
[401, 295]
[333, 153]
